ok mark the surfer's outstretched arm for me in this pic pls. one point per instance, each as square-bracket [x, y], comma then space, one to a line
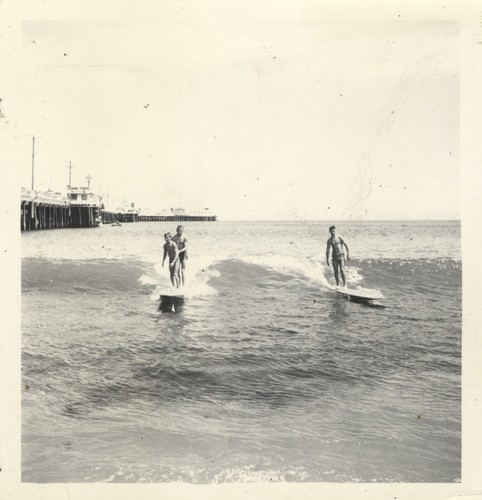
[164, 257]
[328, 252]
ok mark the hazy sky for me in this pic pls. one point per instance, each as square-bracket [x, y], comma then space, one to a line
[256, 114]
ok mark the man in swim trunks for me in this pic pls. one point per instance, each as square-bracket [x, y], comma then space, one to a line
[170, 248]
[181, 242]
[336, 243]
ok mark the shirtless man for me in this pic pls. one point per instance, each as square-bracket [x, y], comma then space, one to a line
[181, 242]
[336, 243]
[170, 248]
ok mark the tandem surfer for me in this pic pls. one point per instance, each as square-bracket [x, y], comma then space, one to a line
[336, 243]
[170, 248]
[181, 242]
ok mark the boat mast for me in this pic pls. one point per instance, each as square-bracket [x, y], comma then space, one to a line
[70, 167]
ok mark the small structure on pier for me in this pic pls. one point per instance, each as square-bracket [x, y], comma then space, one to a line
[130, 214]
[85, 206]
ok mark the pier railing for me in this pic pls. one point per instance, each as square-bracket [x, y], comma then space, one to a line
[50, 197]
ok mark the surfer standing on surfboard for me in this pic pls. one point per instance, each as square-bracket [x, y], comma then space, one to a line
[181, 242]
[170, 248]
[336, 243]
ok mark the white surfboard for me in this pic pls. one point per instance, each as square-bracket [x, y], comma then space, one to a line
[172, 293]
[360, 294]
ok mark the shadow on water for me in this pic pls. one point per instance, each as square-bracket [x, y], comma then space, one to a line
[368, 303]
[375, 305]
[341, 312]
[365, 302]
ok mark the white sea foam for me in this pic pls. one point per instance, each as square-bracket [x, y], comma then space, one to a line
[147, 279]
[312, 268]
[198, 273]
[353, 275]
[285, 264]
[249, 474]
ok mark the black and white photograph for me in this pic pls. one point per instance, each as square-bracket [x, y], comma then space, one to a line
[238, 231]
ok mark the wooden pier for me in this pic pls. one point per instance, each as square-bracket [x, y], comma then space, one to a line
[81, 208]
[51, 210]
[176, 218]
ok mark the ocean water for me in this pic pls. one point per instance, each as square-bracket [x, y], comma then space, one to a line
[264, 374]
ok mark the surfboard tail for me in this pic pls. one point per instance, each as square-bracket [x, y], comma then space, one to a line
[171, 303]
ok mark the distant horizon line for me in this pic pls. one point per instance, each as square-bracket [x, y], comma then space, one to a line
[339, 220]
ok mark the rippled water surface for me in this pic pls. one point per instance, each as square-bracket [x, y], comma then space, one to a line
[264, 374]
